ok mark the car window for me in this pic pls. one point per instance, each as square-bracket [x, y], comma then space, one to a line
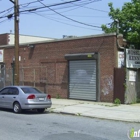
[13, 91]
[4, 91]
[30, 90]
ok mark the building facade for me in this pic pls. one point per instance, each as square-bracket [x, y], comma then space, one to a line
[75, 68]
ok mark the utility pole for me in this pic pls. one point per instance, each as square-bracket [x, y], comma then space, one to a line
[16, 25]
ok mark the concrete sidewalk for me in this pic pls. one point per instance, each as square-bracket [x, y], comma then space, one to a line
[128, 113]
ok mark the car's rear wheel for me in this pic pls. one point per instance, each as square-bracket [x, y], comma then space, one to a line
[17, 107]
[41, 110]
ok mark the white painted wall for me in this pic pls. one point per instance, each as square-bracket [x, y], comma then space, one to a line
[26, 39]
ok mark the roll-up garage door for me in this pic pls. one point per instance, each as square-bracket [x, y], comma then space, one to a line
[82, 79]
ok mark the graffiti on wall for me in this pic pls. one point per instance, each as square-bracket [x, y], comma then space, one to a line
[107, 84]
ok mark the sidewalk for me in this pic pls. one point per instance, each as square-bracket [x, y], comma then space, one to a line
[128, 113]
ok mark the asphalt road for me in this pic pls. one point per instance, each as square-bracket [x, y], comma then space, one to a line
[47, 126]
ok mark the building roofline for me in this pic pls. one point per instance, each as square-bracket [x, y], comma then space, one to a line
[27, 35]
[4, 33]
[32, 36]
[63, 39]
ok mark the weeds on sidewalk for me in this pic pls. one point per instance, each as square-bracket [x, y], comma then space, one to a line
[117, 102]
[58, 96]
[78, 114]
[51, 110]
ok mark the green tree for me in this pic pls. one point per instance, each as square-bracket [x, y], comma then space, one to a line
[128, 20]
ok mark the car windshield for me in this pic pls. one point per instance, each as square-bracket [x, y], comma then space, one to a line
[30, 90]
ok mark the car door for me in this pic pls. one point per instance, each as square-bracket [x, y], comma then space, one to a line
[3, 94]
[11, 97]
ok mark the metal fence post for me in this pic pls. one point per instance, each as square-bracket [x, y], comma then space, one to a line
[34, 77]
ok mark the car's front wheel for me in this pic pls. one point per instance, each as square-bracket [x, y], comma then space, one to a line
[41, 110]
[17, 107]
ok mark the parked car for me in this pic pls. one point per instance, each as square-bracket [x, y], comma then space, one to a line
[19, 98]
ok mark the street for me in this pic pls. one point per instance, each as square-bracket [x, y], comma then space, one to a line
[49, 126]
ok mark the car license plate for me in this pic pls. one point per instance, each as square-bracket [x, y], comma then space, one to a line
[41, 99]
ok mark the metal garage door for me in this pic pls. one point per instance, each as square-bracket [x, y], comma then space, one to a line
[82, 79]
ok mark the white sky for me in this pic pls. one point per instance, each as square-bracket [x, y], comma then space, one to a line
[50, 24]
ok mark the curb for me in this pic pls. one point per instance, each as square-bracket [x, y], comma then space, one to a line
[76, 114]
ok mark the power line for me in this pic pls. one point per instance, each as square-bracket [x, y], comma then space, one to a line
[3, 20]
[68, 2]
[68, 17]
[6, 10]
[96, 9]
[27, 4]
[87, 16]
[91, 8]
[65, 22]
[79, 5]
[45, 6]
[58, 4]
[60, 19]
[22, 5]
[34, 9]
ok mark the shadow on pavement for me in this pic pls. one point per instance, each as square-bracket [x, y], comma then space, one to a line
[25, 112]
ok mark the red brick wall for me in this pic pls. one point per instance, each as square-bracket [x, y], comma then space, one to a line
[3, 39]
[51, 57]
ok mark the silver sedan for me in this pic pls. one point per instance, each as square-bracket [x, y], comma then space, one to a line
[19, 98]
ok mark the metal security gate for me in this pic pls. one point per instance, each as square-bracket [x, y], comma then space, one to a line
[82, 79]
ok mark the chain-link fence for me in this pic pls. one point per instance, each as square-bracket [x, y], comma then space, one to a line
[8, 76]
[32, 76]
[2, 76]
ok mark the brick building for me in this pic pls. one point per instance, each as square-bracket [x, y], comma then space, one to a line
[76, 68]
